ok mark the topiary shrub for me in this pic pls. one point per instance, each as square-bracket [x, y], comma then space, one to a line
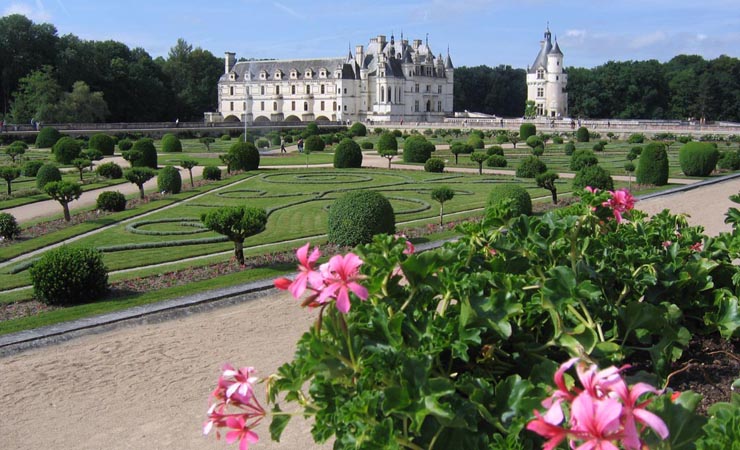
[262, 143]
[535, 141]
[636, 138]
[46, 174]
[598, 147]
[243, 156]
[367, 145]
[212, 173]
[416, 149]
[110, 170]
[496, 161]
[9, 228]
[225, 137]
[347, 155]
[169, 180]
[171, 144]
[125, 145]
[111, 201]
[31, 168]
[652, 167]
[582, 134]
[434, 165]
[103, 143]
[476, 142]
[357, 216]
[146, 154]
[582, 158]
[69, 275]
[314, 144]
[495, 150]
[519, 199]
[594, 176]
[569, 148]
[358, 129]
[312, 129]
[729, 161]
[526, 130]
[557, 139]
[698, 159]
[530, 167]
[47, 137]
[538, 151]
[66, 149]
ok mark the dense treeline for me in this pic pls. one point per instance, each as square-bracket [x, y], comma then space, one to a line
[500, 90]
[58, 79]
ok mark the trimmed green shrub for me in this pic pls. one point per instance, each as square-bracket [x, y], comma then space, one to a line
[111, 201]
[526, 130]
[476, 142]
[416, 149]
[387, 141]
[520, 200]
[244, 156]
[146, 154]
[495, 150]
[110, 170]
[698, 159]
[535, 141]
[557, 140]
[729, 161]
[9, 228]
[582, 158]
[31, 168]
[169, 180]
[357, 216]
[262, 143]
[171, 144]
[66, 149]
[582, 134]
[347, 155]
[496, 161]
[569, 148]
[434, 165]
[636, 138]
[538, 151]
[397, 133]
[358, 129]
[103, 143]
[530, 167]
[46, 174]
[314, 144]
[47, 137]
[312, 129]
[69, 275]
[225, 137]
[211, 173]
[652, 167]
[598, 147]
[366, 145]
[594, 176]
[125, 145]
[684, 139]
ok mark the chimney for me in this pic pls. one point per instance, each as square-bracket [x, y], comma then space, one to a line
[359, 54]
[417, 43]
[381, 39]
[230, 60]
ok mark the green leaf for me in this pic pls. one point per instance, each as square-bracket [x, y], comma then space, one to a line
[278, 424]
[684, 424]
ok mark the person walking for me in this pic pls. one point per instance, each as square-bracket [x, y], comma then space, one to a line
[282, 145]
[300, 145]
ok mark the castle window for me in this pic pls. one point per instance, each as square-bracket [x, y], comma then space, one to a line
[429, 106]
[439, 89]
[540, 74]
[262, 106]
[322, 105]
[382, 96]
[305, 106]
[262, 90]
[293, 74]
[334, 107]
[277, 90]
[540, 92]
[345, 107]
[557, 78]
[274, 106]
[231, 90]
[323, 90]
[429, 88]
[231, 106]
[292, 89]
[308, 89]
[309, 74]
[439, 106]
[416, 88]
[345, 90]
[416, 105]
[263, 75]
[292, 106]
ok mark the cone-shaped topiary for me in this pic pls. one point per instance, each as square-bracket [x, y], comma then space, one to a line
[652, 167]
[69, 275]
[347, 155]
[47, 137]
[357, 216]
[520, 200]
[698, 159]
[171, 144]
[103, 143]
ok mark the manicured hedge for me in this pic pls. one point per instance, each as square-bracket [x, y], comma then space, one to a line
[211, 173]
[146, 153]
[110, 170]
[530, 167]
[357, 216]
[46, 174]
[582, 134]
[652, 167]
[47, 137]
[594, 176]
[526, 130]
[582, 158]
[358, 129]
[416, 149]
[111, 201]
[521, 202]
[171, 144]
[102, 142]
[314, 144]
[496, 161]
[69, 275]
[434, 165]
[698, 159]
[66, 149]
[169, 180]
[31, 168]
[347, 155]
[9, 228]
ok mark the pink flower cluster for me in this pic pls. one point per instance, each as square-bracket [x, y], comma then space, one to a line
[620, 202]
[603, 412]
[332, 281]
[235, 388]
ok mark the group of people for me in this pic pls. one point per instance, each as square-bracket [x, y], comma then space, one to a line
[282, 145]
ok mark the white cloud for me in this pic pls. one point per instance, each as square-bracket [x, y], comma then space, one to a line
[36, 11]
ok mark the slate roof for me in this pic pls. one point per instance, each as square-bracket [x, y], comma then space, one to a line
[541, 60]
[286, 66]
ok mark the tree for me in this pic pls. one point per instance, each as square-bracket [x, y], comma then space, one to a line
[80, 164]
[480, 158]
[529, 109]
[189, 164]
[236, 223]
[388, 154]
[15, 150]
[139, 176]
[191, 73]
[37, 97]
[629, 167]
[92, 154]
[9, 174]
[207, 141]
[387, 146]
[547, 181]
[442, 194]
[81, 105]
[64, 192]
[514, 137]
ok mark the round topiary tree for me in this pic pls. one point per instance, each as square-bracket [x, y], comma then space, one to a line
[31, 168]
[496, 161]
[111, 201]
[125, 145]
[347, 155]
[594, 176]
[442, 194]
[66, 149]
[582, 134]
[314, 144]
[139, 176]
[110, 170]
[526, 130]
[495, 150]
[519, 200]
[9, 228]
[47, 137]
[64, 192]
[69, 275]
[387, 141]
[46, 174]
[530, 167]
[698, 159]
[582, 158]
[312, 129]
[476, 142]
[358, 129]
[243, 156]
[636, 138]
[211, 173]
[534, 142]
[9, 173]
[236, 223]
[569, 148]
[169, 180]
[143, 154]
[434, 165]
[171, 144]
[416, 149]
[357, 216]
[103, 143]
[367, 145]
[652, 167]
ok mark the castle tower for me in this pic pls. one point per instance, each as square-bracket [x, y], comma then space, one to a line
[547, 80]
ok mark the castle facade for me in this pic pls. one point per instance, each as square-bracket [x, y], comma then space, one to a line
[547, 80]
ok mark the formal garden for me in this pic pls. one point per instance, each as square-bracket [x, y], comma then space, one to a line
[453, 346]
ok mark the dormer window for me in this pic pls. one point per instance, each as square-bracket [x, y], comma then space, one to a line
[322, 74]
[293, 74]
[232, 76]
[309, 73]
[278, 75]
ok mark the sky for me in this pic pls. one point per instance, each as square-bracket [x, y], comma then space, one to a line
[477, 32]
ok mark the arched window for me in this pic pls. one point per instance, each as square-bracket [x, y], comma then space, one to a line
[334, 107]
[231, 90]
[382, 95]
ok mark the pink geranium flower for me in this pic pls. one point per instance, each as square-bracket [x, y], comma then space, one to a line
[620, 202]
[635, 411]
[596, 421]
[548, 426]
[242, 432]
[241, 381]
[307, 274]
[341, 275]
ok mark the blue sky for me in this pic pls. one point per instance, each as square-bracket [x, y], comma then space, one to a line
[478, 32]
